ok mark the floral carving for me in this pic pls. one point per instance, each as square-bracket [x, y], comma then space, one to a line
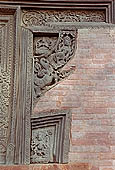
[42, 17]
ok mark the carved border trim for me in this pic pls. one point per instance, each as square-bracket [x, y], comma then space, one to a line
[22, 143]
[14, 77]
[12, 127]
[107, 5]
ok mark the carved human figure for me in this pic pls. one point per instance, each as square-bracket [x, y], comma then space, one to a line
[42, 46]
[66, 47]
[40, 147]
[45, 75]
[43, 145]
[62, 54]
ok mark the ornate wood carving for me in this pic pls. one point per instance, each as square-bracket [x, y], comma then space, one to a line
[51, 53]
[6, 65]
[50, 138]
[43, 17]
[43, 54]
[107, 5]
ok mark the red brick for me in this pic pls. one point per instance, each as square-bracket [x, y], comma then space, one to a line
[15, 167]
[75, 166]
[107, 168]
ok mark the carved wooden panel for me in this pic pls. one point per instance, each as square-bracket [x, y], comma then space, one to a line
[43, 53]
[43, 17]
[50, 138]
[52, 51]
[6, 66]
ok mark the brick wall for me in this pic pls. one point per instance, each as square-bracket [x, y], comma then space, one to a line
[71, 166]
[90, 95]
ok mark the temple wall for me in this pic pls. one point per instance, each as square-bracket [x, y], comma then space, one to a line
[57, 85]
[89, 93]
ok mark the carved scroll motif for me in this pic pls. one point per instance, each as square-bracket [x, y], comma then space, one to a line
[43, 17]
[51, 54]
[6, 54]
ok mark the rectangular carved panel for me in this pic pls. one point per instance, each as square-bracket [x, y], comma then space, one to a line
[50, 137]
[44, 17]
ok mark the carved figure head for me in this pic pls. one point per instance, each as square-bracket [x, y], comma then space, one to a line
[40, 136]
[42, 46]
[67, 40]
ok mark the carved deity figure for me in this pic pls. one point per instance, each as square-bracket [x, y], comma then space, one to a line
[45, 75]
[40, 147]
[42, 46]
